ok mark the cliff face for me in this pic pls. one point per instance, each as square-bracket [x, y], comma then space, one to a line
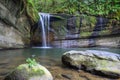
[14, 25]
[86, 31]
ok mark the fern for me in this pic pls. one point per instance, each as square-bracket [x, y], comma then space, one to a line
[31, 62]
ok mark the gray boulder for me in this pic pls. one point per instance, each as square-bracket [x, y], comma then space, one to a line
[97, 62]
[24, 72]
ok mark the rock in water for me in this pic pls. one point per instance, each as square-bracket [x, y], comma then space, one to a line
[98, 62]
[24, 72]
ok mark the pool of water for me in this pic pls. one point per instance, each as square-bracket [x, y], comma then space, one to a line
[9, 59]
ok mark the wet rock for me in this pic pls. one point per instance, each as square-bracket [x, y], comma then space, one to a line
[24, 72]
[68, 76]
[86, 78]
[3, 64]
[97, 62]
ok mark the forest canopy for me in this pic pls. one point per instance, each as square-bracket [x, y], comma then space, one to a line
[106, 8]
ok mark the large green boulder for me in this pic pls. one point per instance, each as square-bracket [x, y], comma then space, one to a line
[27, 72]
[97, 62]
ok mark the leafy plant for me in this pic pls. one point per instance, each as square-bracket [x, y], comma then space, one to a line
[31, 62]
[106, 8]
[29, 8]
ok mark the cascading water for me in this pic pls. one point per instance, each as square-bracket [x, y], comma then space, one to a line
[45, 24]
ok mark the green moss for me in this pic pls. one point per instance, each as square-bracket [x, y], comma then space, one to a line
[32, 71]
[104, 32]
[88, 62]
[22, 66]
[59, 28]
[35, 72]
[85, 34]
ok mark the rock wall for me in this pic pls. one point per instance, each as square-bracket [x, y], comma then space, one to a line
[14, 25]
[84, 26]
[109, 41]
[85, 31]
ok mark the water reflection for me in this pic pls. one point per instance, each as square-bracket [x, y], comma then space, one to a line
[9, 59]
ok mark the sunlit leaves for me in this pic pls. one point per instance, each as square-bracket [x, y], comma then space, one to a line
[92, 7]
[31, 62]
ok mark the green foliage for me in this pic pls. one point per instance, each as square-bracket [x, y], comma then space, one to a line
[88, 20]
[85, 34]
[31, 10]
[106, 8]
[31, 62]
[28, 7]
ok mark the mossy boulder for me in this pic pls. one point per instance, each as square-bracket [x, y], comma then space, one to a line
[25, 72]
[97, 62]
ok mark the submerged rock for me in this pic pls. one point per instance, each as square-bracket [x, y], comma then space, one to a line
[68, 76]
[24, 72]
[97, 62]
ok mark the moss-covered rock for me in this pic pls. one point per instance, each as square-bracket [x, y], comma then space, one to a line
[98, 62]
[25, 72]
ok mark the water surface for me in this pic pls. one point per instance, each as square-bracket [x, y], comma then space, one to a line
[9, 59]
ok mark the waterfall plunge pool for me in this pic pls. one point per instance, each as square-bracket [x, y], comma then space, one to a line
[50, 57]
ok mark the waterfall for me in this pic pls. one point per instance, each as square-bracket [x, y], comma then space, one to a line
[45, 24]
